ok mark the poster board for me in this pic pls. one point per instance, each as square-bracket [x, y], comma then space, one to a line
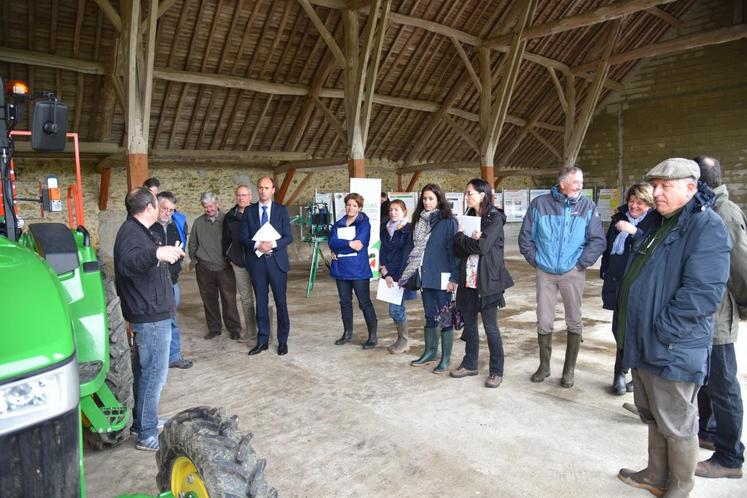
[536, 192]
[498, 200]
[324, 197]
[607, 203]
[370, 189]
[588, 192]
[409, 198]
[515, 204]
[456, 202]
[339, 205]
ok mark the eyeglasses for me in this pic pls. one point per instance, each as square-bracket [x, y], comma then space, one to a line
[167, 210]
[471, 192]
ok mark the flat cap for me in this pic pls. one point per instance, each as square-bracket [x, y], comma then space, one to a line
[675, 168]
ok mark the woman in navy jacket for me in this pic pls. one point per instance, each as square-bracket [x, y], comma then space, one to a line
[632, 221]
[396, 243]
[351, 270]
[433, 255]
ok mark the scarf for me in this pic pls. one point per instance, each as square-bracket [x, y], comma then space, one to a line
[420, 239]
[391, 226]
[618, 246]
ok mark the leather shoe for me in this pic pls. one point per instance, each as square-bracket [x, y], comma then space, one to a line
[713, 470]
[282, 349]
[257, 349]
[706, 444]
[212, 334]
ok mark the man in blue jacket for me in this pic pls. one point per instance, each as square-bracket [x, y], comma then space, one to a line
[672, 286]
[561, 236]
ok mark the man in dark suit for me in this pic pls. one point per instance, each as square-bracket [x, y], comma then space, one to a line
[267, 262]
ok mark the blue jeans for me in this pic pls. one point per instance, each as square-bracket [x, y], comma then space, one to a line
[175, 353]
[398, 312]
[153, 340]
[472, 337]
[433, 301]
[720, 408]
[345, 290]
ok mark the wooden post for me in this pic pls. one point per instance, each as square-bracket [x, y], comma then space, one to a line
[106, 176]
[357, 168]
[487, 173]
[399, 182]
[280, 196]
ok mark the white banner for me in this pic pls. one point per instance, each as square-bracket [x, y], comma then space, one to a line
[370, 189]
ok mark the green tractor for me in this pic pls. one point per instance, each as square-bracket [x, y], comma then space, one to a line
[65, 364]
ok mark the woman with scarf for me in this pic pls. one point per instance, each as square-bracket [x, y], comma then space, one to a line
[348, 242]
[632, 221]
[396, 242]
[433, 256]
[483, 278]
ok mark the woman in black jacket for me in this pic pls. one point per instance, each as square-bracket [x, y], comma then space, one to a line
[633, 220]
[483, 278]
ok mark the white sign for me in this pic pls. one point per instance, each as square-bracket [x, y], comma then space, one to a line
[515, 204]
[609, 200]
[338, 210]
[456, 202]
[370, 189]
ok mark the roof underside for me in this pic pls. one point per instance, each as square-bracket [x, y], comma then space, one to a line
[275, 41]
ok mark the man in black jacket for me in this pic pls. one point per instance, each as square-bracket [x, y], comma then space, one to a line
[147, 301]
[169, 233]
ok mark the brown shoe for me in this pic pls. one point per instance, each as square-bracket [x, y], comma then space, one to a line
[493, 381]
[212, 334]
[711, 469]
[462, 372]
[641, 480]
[706, 444]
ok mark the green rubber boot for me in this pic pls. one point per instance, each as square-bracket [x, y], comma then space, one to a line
[431, 348]
[447, 341]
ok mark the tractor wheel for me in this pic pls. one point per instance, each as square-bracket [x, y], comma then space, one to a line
[119, 378]
[203, 452]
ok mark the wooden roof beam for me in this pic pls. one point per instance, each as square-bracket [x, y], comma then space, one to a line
[601, 14]
[313, 164]
[111, 13]
[679, 44]
[324, 32]
[665, 16]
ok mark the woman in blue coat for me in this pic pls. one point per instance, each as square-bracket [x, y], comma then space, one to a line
[433, 256]
[632, 221]
[396, 242]
[348, 242]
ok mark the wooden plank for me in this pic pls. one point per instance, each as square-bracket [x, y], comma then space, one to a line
[14, 55]
[601, 14]
[570, 154]
[679, 44]
[111, 13]
[324, 32]
[299, 188]
[467, 63]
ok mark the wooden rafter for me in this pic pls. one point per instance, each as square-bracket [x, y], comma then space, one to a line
[601, 14]
[572, 149]
[467, 63]
[546, 144]
[324, 32]
[111, 13]
[558, 89]
[336, 124]
[280, 196]
[664, 16]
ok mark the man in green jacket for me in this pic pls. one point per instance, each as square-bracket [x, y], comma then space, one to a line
[720, 400]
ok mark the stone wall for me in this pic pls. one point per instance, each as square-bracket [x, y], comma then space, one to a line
[681, 105]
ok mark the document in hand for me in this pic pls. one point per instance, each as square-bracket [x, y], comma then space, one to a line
[470, 224]
[389, 295]
[266, 233]
[346, 233]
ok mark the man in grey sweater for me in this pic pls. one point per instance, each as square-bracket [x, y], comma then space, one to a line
[215, 276]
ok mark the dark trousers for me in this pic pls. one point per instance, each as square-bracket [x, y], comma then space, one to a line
[214, 285]
[472, 337]
[720, 407]
[619, 356]
[267, 275]
[345, 290]
[433, 301]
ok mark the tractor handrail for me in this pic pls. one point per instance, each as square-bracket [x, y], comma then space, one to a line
[77, 192]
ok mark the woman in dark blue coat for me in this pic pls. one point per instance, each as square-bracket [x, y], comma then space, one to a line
[396, 242]
[632, 221]
[433, 256]
[348, 242]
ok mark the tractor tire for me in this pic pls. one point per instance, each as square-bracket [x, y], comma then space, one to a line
[202, 450]
[119, 378]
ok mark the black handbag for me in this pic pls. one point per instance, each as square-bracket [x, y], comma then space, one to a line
[415, 282]
[450, 316]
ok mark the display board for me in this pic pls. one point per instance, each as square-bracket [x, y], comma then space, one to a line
[370, 189]
[456, 202]
[409, 198]
[498, 200]
[339, 205]
[515, 204]
[536, 192]
[607, 202]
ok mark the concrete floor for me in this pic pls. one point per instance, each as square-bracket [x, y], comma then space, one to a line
[340, 421]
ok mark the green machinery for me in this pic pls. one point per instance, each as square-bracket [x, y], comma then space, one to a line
[65, 367]
[315, 222]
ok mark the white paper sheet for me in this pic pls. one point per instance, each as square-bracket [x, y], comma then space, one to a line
[266, 233]
[444, 280]
[470, 224]
[390, 295]
[346, 233]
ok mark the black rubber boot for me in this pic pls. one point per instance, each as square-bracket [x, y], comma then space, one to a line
[346, 336]
[372, 338]
[571, 354]
[618, 383]
[545, 350]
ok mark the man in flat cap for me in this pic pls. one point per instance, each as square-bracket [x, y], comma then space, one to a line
[671, 289]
